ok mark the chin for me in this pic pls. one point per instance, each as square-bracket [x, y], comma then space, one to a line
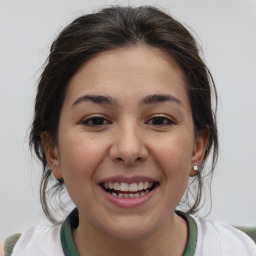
[130, 228]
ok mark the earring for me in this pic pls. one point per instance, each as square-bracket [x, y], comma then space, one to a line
[195, 168]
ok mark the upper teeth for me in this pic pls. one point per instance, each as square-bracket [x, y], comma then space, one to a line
[123, 186]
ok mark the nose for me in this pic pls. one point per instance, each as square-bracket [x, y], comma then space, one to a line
[128, 145]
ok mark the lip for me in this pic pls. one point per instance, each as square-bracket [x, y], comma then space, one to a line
[128, 202]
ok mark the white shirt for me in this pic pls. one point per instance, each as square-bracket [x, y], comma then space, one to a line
[210, 239]
[214, 239]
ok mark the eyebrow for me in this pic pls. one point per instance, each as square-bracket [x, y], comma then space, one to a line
[150, 99]
[100, 99]
[158, 98]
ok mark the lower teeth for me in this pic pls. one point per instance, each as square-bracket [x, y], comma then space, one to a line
[130, 195]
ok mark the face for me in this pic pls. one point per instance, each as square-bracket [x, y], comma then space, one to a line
[126, 144]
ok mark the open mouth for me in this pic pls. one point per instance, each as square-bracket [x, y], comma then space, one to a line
[125, 190]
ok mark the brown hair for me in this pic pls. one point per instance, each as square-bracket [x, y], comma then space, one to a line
[113, 28]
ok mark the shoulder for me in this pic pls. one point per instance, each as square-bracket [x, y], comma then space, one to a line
[1, 248]
[222, 239]
[43, 240]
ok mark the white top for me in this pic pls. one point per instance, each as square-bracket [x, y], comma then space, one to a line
[211, 239]
[214, 239]
[40, 241]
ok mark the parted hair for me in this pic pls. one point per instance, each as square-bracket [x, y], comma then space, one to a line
[112, 28]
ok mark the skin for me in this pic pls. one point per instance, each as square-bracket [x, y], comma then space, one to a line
[127, 140]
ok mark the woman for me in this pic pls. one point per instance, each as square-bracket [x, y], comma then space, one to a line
[123, 119]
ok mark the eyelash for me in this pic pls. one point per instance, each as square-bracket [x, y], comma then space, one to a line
[98, 121]
[163, 120]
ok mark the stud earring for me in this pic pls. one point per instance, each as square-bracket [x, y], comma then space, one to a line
[195, 168]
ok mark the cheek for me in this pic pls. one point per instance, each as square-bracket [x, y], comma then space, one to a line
[176, 151]
[79, 156]
[79, 160]
[174, 156]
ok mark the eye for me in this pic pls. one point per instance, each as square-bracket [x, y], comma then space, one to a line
[160, 121]
[95, 121]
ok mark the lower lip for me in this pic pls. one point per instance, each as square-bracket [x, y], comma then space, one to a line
[129, 202]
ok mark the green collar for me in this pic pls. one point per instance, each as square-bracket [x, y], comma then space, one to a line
[192, 234]
[72, 222]
[66, 237]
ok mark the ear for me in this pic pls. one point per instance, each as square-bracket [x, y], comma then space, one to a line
[52, 155]
[200, 144]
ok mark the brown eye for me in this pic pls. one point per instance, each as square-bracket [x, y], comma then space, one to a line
[96, 121]
[159, 120]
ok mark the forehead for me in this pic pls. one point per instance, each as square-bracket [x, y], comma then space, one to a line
[140, 69]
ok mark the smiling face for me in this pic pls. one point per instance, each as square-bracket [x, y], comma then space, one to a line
[126, 143]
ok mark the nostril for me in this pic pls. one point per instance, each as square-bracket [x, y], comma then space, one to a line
[120, 159]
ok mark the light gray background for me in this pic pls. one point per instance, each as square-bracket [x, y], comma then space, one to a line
[227, 33]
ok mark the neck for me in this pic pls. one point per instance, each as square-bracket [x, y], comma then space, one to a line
[168, 239]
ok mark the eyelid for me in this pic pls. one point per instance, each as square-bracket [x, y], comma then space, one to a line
[86, 119]
[170, 120]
